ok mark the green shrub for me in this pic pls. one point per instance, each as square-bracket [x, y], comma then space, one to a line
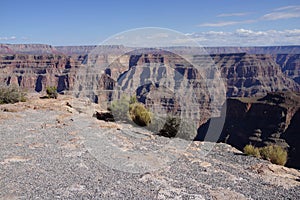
[128, 109]
[171, 127]
[133, 100]
[276, 154]
[11, 94]
[139, 114]
[120, 109]
[250, 150]
[52, 92]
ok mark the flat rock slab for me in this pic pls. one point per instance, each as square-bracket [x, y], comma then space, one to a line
[50, 154]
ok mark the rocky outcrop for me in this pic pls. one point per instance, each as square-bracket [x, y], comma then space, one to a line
[255, 50]
[245, 74]
[34, 73]
[148, 75]
[290, 65]
[49, 150]
[251, 75]
[273, 119]
[33, 49]
[161, 80]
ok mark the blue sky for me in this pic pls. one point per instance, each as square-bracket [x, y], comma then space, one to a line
[211, 23]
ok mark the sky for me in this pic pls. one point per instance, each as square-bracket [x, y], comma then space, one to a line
[210, 23]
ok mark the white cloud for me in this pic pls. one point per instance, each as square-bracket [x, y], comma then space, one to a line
[285, 12]
[245, 32]
[281, 15]
[219, 24]
[8, 38]
[246, 37]
[295, 7]
[295, 32]
[233, 14]
[226, 23]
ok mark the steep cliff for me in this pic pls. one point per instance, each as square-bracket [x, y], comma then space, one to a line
[161, 80]
[166, 81]
[33, 49]
[273, 119]
[290, 65]
[244, 74]
[34, 73]
[250, 75]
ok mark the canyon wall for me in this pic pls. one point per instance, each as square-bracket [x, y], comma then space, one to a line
[157, 77]
[35, 72]
[243, 74]
[273, 119]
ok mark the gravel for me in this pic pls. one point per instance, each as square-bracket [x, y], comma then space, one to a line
[42, 157]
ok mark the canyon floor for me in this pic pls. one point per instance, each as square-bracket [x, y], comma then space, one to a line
[55, 149]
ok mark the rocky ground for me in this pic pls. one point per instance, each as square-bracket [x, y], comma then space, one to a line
[54, 149]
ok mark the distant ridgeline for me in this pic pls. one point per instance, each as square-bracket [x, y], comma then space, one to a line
[70, 50]
[247, 71]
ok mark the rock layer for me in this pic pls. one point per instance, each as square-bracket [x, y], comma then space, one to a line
[273, 119]
[243, 74]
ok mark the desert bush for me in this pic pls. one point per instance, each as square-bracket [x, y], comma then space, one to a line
[11, 94]
[128, 109]
[133, 99]
[250, 150]
[276, 154]
[171, 127]
[52, 92]
[139, 114]
[120, 109]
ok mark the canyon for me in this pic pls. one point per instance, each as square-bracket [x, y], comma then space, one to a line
[232, 92]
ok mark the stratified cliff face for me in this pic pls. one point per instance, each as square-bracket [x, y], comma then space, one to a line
[34, 73]
[158, 77]
[33, 49]
[252, 75]
[82, 50]
[244, 75]
[290, 65]
[270, 50]
[273, 119]
[162, 81]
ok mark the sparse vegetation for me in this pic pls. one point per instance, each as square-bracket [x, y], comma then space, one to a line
[171, 127]
[52, 92]
[250, 150]
[11, 94]
[139, 114]
[133, 100]
[120, 109]
[274, 153]
[128, 109]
